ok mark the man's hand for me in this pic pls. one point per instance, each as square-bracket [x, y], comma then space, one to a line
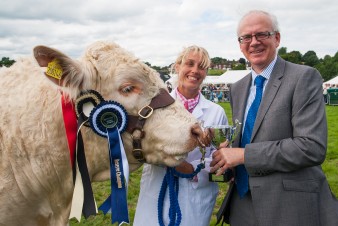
[226, 158]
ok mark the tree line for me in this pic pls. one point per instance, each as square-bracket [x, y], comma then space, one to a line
[327, 66]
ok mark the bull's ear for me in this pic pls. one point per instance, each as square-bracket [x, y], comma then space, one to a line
[57, 64]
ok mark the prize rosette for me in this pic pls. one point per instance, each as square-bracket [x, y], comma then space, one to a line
[85, 103]
[109, 119]
[107, 115]
[83, 199]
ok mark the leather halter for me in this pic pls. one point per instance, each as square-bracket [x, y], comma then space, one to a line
[136, 123]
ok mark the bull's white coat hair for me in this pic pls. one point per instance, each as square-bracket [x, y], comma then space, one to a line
[35, 172]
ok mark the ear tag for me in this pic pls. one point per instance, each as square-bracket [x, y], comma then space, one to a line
[54, 69]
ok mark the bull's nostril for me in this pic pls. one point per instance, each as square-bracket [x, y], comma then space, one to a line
[196, 130]
[202, 137]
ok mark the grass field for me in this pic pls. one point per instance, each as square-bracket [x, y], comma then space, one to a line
[330, 167]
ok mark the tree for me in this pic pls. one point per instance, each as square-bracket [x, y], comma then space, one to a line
[242, 61]
[282, 51]
[218, 61]
[328, 67]
[295, 57]
[310, 58]
[148, 64]
[335, 57]
[239, 67]
[5, 61]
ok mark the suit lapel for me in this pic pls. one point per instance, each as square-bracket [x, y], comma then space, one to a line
[270, 92]
[243, 98]
[239, 94]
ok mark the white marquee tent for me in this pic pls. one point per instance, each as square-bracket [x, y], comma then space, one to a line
[228, 77]
[331, 81]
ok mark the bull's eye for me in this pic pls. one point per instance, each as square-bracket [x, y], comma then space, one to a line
[127, 89]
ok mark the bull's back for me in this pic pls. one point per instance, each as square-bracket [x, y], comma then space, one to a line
[35, 171]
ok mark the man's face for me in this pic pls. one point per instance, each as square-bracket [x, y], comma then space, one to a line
[258, 53]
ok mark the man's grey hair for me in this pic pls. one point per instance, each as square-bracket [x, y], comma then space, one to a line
[272, 17]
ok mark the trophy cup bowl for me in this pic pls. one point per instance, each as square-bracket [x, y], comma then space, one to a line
[220, 134]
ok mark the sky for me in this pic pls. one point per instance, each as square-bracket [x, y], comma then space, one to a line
[157, 30]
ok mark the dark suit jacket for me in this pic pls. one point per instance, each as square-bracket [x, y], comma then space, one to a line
[288, 145]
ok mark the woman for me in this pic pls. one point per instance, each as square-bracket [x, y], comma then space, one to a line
[196, 196]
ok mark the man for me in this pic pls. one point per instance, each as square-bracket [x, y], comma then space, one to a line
[278, 177]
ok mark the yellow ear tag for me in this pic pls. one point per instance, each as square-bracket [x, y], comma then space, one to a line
[54, 69]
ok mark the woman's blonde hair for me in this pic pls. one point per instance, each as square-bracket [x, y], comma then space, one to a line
[203, 53]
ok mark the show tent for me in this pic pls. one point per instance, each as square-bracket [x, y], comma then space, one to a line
[333, 81]
[228, 77]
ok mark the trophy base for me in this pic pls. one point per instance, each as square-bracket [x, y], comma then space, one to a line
[228, 174]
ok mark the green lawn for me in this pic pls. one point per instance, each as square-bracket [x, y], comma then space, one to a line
[330, 166]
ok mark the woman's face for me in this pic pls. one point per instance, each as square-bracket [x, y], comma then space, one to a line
[190, 74]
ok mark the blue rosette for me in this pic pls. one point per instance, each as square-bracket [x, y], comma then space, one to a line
[107, 115]
[109, 119]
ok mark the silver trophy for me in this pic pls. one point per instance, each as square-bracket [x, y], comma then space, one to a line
[220, 134]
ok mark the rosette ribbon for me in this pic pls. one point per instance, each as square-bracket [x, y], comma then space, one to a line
[117, 201]
[83, 201]
[109, 119]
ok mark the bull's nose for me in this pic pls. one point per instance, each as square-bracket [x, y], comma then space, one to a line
[198, 133]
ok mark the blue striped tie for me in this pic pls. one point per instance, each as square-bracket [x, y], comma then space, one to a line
[242, 182]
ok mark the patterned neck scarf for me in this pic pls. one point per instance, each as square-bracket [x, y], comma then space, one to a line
[189, 104]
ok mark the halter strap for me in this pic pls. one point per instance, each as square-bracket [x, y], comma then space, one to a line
[136, 123]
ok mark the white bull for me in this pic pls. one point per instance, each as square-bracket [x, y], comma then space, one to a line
[36, 183]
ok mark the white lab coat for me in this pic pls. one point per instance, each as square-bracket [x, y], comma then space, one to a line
[196, 199]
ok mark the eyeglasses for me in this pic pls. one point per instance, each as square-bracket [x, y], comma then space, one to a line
[259, 36]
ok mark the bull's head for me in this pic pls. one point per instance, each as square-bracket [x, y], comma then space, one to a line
[168, 134]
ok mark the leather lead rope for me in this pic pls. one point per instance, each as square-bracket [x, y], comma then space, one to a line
[136, 123]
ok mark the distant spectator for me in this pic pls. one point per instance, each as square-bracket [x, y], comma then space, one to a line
[325, 94]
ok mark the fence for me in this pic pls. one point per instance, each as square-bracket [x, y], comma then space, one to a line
[332, 96]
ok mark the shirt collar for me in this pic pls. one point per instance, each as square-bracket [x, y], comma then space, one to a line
[189, 104]
[266, 72]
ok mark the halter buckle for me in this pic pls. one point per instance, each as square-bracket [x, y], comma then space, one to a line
[148, 111]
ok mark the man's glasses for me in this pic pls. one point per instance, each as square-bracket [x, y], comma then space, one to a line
[259, 36]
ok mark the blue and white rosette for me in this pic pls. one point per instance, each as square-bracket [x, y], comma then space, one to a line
[109, 119]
